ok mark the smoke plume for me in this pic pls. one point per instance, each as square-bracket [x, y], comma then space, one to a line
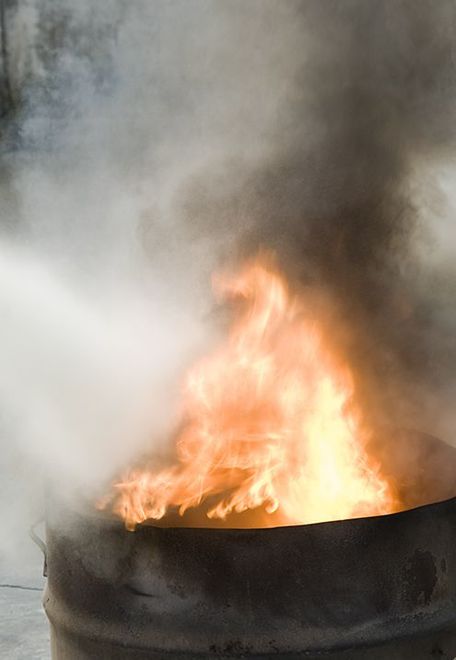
[354, 195]
[150, 142]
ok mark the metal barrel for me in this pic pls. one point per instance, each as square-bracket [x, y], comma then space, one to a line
[347, 589]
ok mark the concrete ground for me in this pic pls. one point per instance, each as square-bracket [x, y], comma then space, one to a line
[24, 633]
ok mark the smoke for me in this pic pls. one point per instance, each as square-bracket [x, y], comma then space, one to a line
[152, 141]
[105, 267]
[359, 204]
[356, 196]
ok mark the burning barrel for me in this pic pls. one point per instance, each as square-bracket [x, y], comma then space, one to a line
[369, 588]
[282, 530]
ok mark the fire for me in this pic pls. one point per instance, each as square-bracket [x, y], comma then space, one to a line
[269, 426]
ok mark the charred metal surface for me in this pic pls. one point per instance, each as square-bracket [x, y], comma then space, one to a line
[284, 592]
[381, 588]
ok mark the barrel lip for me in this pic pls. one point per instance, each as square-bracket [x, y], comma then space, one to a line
[398, 515]
[90, 512]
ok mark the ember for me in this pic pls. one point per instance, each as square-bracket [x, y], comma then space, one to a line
[270, 424]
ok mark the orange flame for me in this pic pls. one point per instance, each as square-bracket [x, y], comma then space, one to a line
[269, 425]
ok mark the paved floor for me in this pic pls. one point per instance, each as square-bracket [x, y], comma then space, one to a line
[24, 633]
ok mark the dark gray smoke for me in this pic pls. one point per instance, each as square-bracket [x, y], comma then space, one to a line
[348, 196]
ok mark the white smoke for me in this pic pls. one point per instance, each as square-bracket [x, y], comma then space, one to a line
[104, 267]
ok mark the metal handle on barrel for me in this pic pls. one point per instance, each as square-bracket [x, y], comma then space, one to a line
[40, 543]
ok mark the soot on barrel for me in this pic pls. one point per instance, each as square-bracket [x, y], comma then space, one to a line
[367, 588]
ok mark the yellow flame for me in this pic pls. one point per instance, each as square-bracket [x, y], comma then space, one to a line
[269, 424]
